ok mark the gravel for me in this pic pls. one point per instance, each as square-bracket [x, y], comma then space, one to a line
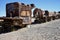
[45, 31]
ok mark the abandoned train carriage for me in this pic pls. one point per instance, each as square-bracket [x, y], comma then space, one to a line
[44, 16]
[19, 10]
[17, 15]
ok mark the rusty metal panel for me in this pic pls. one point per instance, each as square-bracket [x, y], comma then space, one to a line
[26, 20]
[12, 9]
[25, 13]
[23, 7]
[28, 13]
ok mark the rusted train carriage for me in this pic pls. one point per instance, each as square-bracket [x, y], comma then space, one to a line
[43, 16]
[38, 15]
[17, 15]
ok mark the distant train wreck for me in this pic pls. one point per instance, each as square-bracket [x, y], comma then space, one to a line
[18, 15]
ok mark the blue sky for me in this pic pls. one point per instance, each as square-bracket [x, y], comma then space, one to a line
[51, 5]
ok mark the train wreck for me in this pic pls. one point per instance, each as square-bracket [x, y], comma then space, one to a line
[18, 15]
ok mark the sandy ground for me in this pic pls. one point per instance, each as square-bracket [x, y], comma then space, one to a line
[44, 31]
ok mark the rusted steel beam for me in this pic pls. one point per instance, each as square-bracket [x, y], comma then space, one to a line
[9, 18]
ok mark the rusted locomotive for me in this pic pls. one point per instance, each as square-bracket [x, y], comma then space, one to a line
[44, 16]
[18, 15]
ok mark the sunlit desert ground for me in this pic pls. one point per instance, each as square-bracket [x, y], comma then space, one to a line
[45, 31]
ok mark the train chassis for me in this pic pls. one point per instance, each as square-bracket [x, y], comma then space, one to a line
[9, 25]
